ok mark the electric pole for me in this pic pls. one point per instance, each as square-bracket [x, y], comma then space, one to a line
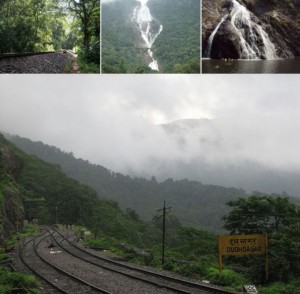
[56, 214]
[97, 224]
[164, 232]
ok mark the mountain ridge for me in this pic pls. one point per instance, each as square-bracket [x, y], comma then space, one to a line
[205, 203]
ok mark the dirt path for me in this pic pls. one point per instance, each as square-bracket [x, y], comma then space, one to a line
[75, 67]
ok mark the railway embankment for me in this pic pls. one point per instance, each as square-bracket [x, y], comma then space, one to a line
[52, 62]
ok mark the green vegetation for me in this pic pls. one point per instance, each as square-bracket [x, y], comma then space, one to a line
[122, 47]
[47, 25]
[177, 48]
[188, 251]
[12, 280]
[292, 287]
[87, 18]
[205, 203]
[280, 219]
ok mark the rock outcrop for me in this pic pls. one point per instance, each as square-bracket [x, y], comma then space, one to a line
[11, 205]
[268, 30]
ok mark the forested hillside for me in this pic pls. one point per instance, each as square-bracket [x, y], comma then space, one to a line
[47, 25]
[122, 49]
[50, 196]
[177, 48]
[206, 204]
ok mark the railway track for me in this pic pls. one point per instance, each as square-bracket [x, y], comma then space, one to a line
[36, 62]
[22, 54]
[60, 280]
[169, 283]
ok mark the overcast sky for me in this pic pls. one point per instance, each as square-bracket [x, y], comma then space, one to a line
[111, 119]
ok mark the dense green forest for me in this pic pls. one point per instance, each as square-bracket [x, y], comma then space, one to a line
[122, 50]
[47, 25]
[177, 48]
[205, 203]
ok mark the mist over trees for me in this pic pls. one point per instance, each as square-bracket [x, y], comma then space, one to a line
[206, 203]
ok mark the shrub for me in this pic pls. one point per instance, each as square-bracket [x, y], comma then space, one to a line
[280, 288]
[226, 278]
[9, 280]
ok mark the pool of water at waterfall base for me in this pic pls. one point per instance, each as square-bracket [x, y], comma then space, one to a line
[251, 66]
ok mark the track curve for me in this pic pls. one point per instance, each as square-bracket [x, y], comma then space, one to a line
[175, 285]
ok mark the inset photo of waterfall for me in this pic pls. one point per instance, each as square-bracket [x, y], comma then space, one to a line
[250, 36]
[150, 36]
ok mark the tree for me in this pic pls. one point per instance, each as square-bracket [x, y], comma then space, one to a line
[259, 213]
[88, 14]
[33, 25]
[280, 219]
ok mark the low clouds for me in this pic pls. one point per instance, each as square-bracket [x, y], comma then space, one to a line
[114, 121]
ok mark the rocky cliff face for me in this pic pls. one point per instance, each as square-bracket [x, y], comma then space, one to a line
[11, 205]
[251, 29]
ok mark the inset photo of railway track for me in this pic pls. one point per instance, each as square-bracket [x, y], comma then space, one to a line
[49, 36]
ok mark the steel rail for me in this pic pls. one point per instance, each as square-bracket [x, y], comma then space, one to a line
[24, 54]
[82, 282]
[186, 283]
[21, 248]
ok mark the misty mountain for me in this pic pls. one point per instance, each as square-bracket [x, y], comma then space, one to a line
[204, 156]
[218, 154]
[192, 202]
[31, 188]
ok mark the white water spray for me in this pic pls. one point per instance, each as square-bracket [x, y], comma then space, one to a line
[212, 36]
[144, 20]
[250, 34]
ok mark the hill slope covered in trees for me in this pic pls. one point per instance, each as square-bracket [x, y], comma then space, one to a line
[205, 204]
[177, 47]
[50, 196]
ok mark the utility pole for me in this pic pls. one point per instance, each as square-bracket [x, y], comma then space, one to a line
[56, 214]
[164, 232]
[97, 224]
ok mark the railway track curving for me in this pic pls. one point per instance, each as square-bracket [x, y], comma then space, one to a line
[58, 279]
[161, 281]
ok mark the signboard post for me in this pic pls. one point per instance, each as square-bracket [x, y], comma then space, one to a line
[239, 245]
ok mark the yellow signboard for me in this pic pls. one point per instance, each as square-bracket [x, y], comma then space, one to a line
[242, 245]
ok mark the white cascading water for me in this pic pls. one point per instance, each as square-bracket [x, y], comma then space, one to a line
[144, 20]
[249, 33]
[212, 36]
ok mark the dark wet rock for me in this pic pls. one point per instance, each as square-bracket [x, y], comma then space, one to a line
[279, 20]
[226, 43]
[11, 205]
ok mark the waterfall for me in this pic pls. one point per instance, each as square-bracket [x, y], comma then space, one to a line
[211, 37]
[145, 22]
[250, 34]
